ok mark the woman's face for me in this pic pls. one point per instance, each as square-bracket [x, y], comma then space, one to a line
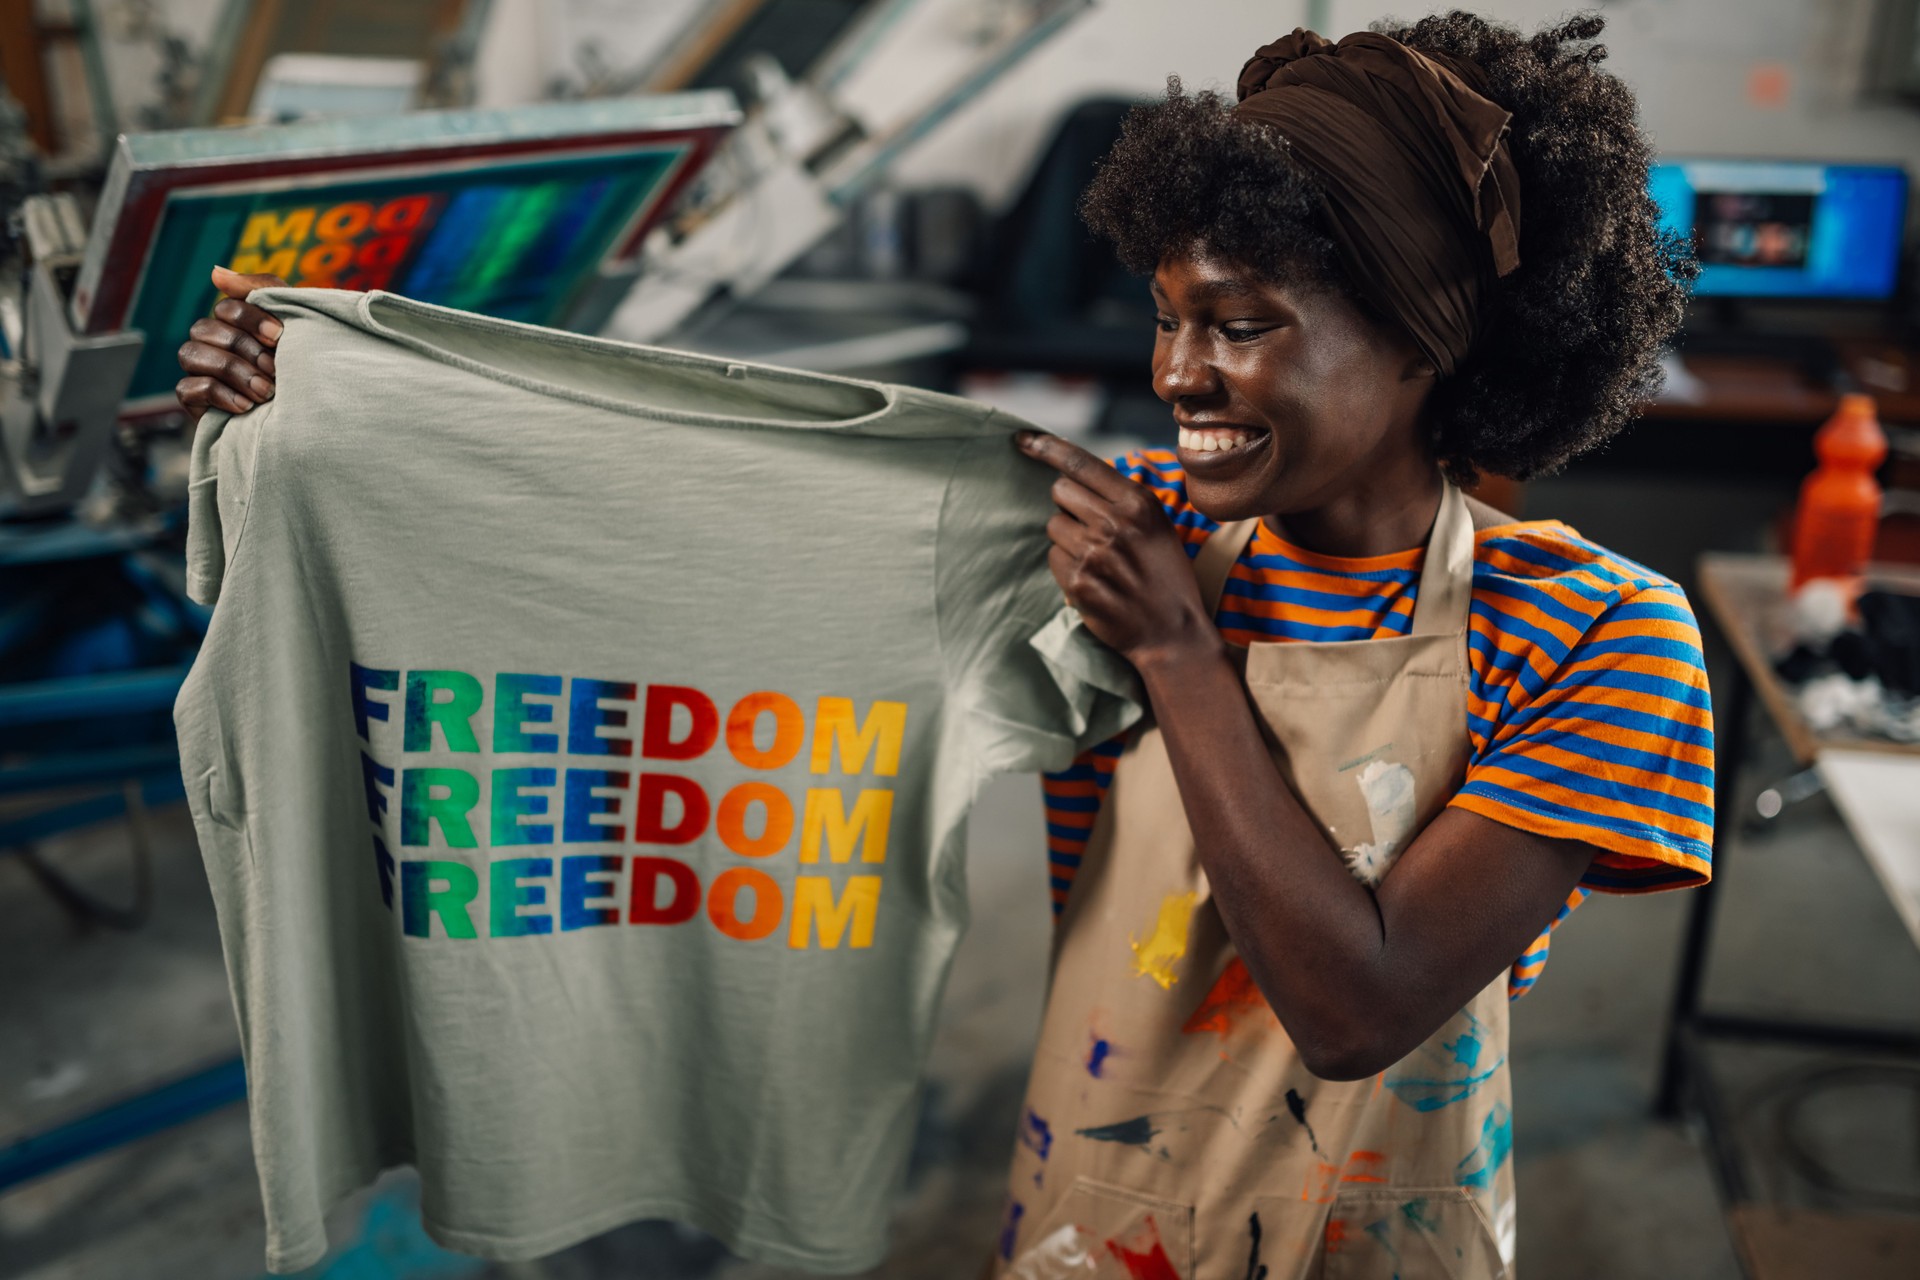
[1289, 399]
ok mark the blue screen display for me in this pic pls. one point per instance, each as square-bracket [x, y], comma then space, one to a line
[1780, 229]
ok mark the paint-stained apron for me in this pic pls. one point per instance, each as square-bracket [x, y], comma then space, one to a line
[1170, 1129]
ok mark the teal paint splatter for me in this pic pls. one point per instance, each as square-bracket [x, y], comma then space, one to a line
[1137, 1132]
[391, 1243]
[1439, 1074]
[1415, 1212]
[1382, 1232]
[1431, 1095]
[1496, 1144]
[1465, 1050]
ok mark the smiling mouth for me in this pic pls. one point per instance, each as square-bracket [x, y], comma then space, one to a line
[1217, 440]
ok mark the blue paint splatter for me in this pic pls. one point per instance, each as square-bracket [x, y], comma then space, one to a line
[1441, 1073]
[1431, 1095]
[1495, 1145]
[1380, 1231]
[1465, 1050]
[1137, 1132]
[1098, 1058]
[1036, 1135]
[1010, 1229]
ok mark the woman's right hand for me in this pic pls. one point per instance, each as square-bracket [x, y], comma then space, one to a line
[228, 356]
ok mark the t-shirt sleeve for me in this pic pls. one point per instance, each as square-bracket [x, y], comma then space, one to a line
[219, 489]
[1035, 685]
[1612, 747]
[1073, 796]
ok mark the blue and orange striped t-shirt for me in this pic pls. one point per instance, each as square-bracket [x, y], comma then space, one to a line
[1587, 706]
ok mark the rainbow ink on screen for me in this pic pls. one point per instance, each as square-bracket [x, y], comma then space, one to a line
[534, 214]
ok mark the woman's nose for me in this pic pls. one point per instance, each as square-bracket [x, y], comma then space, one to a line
[1181, 369]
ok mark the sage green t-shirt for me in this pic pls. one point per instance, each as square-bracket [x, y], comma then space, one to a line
[580, 753]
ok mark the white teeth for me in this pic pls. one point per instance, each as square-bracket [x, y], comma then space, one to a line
[1211, 441]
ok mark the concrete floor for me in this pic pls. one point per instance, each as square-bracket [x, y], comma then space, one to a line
[1605, 1193]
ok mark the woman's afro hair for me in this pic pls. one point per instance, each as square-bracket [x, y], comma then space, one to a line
[1570, 342]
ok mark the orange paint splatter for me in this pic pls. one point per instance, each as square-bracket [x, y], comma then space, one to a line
[1232, 995]
[1361, 1166]
[1336, 1234]
[1317, 1187]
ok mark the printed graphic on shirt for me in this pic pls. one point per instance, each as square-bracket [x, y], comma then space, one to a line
[568, 818]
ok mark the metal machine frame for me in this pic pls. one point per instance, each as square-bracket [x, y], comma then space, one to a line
[61, 395]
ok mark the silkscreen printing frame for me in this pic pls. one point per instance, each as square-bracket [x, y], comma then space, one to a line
[157, 181]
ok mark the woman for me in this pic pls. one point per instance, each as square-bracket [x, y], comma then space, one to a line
[1396, 735]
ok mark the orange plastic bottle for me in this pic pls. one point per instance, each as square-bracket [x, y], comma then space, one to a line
[1839, 512]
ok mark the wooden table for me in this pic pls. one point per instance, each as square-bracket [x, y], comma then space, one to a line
[1876, 787]
[1878, 796]
[1746, 598]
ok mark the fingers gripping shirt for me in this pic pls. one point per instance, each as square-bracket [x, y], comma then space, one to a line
[1587, 709]
[580, 753]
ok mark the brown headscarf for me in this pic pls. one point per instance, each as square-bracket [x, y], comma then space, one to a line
[1413, 157]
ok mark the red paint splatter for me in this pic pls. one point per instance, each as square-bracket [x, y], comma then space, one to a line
[1336, 1234]
[1233, 994]
[1149, 1261]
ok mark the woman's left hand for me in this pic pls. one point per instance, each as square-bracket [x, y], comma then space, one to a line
[1118, 559]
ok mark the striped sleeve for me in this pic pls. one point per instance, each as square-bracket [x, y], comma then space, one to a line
[1527, 969]
[1160, 471]
[1612, 744]
[1073, 798]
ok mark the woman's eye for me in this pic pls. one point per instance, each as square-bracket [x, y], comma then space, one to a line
[1240, 332]
[1164, 324]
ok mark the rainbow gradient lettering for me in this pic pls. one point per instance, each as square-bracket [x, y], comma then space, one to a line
[606, 766]
[354, 245]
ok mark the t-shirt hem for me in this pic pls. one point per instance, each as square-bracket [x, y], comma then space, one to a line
[1524, 818]
[286, 1261]
[202, 588]
[519, 1248]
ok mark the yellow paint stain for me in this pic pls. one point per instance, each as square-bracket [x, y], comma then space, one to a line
[1155, 957]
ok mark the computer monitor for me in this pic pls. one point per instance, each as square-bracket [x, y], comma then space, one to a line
[1785, 229]
[521, 213]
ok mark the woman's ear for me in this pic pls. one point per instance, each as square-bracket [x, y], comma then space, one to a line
[1418, 366]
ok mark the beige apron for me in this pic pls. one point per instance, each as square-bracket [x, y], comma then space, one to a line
[1170, 1130]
